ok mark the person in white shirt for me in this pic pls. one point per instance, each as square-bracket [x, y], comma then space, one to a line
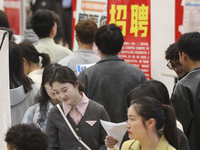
[85, 31]
[44, 24]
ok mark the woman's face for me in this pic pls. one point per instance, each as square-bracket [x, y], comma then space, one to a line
[49, 91]
[67, 93]
[135, 126]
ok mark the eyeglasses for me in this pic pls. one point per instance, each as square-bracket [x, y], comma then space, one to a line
[172, 66]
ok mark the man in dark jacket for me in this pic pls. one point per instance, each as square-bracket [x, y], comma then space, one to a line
[111, 79]
[186, 95]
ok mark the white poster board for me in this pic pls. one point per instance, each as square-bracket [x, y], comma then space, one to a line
[95, 9]
[5, 118]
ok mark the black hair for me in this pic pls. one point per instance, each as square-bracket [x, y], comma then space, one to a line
[189, 43]
[42, 97]
[26, 137]
[172, 52]
[64, 74]
[109, 39]
[56, 17]
[149, 107]
[42, 23]
[16, 69]
[30, 53]
[4, 20]
[162, 89]
[151, 88]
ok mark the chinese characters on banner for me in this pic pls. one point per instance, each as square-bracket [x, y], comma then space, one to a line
[133, 17]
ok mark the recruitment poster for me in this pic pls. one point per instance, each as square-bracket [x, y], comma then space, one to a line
[133, 17]
[5, 120]
[186, 17]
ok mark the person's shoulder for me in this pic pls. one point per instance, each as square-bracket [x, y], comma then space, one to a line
[94, 103]
[170, 147]
[55, 109]
[33, 108]
[66, 60]
[131, 66]
[64, 49]
[30, 113]
[35, 88]
[133, 143]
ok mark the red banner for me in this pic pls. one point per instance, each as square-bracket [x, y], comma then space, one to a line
[178, 18]
[12, 9]
[133, 17]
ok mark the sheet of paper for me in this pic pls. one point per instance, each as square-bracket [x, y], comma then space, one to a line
[116, 130]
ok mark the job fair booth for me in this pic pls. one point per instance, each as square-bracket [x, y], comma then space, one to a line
[148, 27]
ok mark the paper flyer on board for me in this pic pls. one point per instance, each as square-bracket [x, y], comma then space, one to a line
[116, 130]
[81, 67]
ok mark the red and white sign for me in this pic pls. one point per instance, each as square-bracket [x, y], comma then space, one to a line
[178, 18]
[133, 17]
[12, 10]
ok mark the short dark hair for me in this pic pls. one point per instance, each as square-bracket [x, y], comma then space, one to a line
[85, 31]
[153, 88]
[30, 53]
[26, 137]
[42, 23]
[189, 43]
[4, 19]
[172, 52]
[109, 39]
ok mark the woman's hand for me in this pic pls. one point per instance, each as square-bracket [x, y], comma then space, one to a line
[110, 141]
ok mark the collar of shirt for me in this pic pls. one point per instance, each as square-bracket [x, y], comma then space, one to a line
[84, 51]
[81, 106]
[46, 40]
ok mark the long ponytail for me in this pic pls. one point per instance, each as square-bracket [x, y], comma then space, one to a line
[30, 53]
[170, 128]
[45, 59]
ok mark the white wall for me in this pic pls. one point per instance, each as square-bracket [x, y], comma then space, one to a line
[162, 34]
[1, 5]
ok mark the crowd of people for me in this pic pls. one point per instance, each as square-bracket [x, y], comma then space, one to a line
[53, 107]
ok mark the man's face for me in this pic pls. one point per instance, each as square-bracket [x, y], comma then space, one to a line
[177, 67]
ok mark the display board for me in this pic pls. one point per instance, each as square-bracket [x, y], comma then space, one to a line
[84, 9]
[5, 119]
